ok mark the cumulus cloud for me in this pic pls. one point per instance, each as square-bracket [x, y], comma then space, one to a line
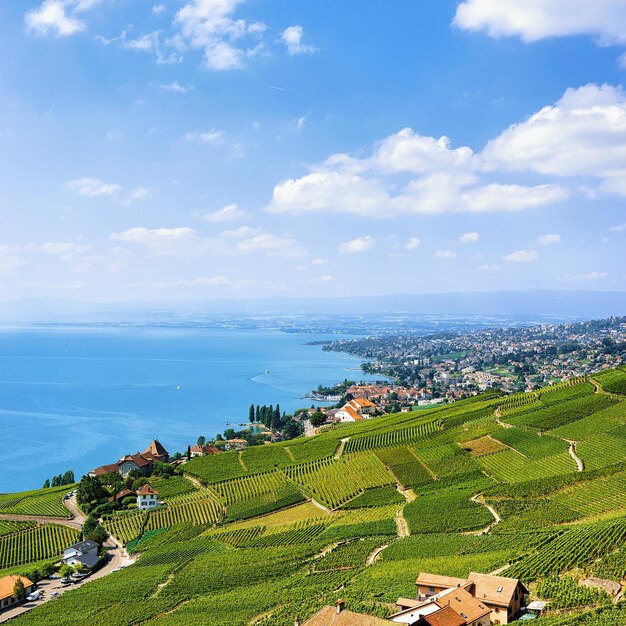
[176, 87]
[605, 20]
[407, 173]
[583, 134]
[445, 254]
[211, 26]
[361, 244]
[469, 237]
[620, 228]
[58, 17]
[413, 243]
[211, 137]
[228, 213]
[93, 187]
[546, 240]
[592, 276]
[521, 256]
[185, 241]
[292, 38]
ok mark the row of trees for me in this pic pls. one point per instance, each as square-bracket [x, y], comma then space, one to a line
[269, 416]
[60, 480]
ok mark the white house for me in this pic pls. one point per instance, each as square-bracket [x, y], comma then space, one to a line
[355, 410]
[147, 497]
[83, 553]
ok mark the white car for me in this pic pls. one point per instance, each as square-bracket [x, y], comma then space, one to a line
[55, 594]
[31, 597]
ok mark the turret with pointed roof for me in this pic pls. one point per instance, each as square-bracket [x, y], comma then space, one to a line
[156, 451]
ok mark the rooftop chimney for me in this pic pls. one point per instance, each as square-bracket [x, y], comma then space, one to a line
[341, 605]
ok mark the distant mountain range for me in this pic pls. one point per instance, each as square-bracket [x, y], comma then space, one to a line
[534, 303]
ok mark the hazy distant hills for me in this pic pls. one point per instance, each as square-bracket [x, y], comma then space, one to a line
[535, 303]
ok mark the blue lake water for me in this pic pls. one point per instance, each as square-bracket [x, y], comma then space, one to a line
[76, 398]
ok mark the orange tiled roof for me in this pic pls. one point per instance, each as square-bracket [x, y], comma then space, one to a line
[8, 582]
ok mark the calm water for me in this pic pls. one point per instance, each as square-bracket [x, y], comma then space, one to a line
[77, 398]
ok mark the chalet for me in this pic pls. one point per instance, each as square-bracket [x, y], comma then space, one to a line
[339, 616]
[142, 462]
[6, 590]
[83, 553]
[455, 606]
[356, 409]
[235, 444]
[503, 596]
[204, 450]
[147, 497]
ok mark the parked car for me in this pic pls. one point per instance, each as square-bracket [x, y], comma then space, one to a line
[54, 577]
[77, 575]
[55, 594]
[66, 581]
[35, 595]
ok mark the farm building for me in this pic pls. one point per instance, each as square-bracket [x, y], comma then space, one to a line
[339, 616]
[147, 497]
[6, 590]
[142, 462]
[503, 596]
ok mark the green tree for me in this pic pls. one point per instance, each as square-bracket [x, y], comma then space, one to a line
[251, 414]
[19, 591]
[92, 530]
[188, 453]
[65, 570]
[317, 419]
[68, 478]
[46, 485]
[90, 489]
[201, 440]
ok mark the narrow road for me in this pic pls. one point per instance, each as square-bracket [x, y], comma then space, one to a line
[341, 447]
[496, 518]
[401, 523]
[373, 557]
[116, 557]
[572, 452]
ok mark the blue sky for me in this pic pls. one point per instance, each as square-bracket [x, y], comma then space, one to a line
[232, 148]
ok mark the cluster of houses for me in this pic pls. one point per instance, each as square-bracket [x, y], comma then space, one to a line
[478, 600]
[142, 462]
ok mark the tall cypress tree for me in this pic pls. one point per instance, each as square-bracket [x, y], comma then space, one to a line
[251, 415]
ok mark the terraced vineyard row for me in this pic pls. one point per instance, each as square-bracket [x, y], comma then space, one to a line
[392, 438]
[196, 512]
[35, 544]
[334, 482]
[578, 547]
[249, 487]
[42, 502]
[127, 526]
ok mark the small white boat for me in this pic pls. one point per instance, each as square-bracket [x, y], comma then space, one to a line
[177, 387]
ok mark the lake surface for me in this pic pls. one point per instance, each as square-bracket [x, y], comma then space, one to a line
[75, 398]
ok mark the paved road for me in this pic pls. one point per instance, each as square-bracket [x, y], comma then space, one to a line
[116, 557]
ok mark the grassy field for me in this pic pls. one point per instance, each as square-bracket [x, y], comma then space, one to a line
[278, 531]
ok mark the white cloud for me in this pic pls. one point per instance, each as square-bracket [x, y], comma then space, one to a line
[62, 248]
[361, 244]
[185, 241]
[620, 228]
[592, 276]
[210, 25]
[56, 17]
[93, 187]
[583, 134]
[407, 173]
[469, 237]
[532, 20]
[165, 51]
[10, 263]
[138, 193]
[319, 261]
[445, 254]
[489, 268]
[157, 9]
[212, 137]
[166, 241]
[327, 278]
[229, 213]
[413, 243]
[546, 240]
[521, 256]
[176, 87]
[292, 38]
